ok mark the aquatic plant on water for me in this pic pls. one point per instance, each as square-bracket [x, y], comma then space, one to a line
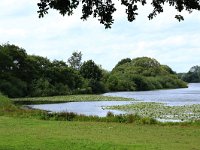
[161, 111]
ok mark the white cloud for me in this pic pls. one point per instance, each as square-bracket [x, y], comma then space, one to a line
[56, 37]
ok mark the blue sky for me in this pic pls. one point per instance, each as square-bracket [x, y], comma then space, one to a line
[56, 37]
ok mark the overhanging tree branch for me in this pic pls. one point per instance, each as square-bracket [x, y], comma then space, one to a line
[104, 9]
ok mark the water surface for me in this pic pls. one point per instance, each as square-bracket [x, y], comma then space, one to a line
[173, 97]
[86, 108]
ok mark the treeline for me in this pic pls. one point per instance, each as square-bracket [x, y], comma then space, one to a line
[143, 74]
[192, 76]
[23, 75]
[29, 75]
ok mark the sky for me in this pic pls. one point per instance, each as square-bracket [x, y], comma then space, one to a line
[172, 43]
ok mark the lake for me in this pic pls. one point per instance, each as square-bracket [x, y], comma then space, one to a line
[173, 97]
[86, 108]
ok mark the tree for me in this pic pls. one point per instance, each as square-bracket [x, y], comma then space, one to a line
[104, 9]
[13, 70]
[93, 75]
[13, 60]
[192, 76]
[123, 61]
[29, 75]
[143, 73]
[145, 62]
[75, 60]
[90, 70]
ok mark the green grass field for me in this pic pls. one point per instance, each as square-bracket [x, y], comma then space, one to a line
[31, 134]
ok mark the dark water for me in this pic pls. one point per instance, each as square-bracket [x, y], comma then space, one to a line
[174, 97]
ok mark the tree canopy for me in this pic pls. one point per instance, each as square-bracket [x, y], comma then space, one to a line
[75, 60]
[143, 73]
[103, 9]
[30, 75]
[192, 76]
[90, 70]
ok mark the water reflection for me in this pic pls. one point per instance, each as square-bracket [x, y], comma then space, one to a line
[86, 108]
[174, 97]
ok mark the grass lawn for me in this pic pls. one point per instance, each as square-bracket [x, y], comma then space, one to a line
[32, 134]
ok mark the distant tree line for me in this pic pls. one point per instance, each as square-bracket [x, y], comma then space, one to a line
[23, 75]
[192, 76]
[142, 74]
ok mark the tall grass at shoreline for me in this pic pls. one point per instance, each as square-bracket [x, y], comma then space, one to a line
[7, 108]
[68, 98]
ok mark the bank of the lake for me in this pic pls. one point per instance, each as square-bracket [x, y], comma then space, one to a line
[169, 105]
[68, 98]
[23, 129]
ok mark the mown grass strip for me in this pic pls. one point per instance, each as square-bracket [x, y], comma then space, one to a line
[23, 134]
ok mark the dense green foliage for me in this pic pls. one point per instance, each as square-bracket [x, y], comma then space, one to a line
[23, 75]
[192, 76]
[123, 61]
[29, 75]
[93, 74]
[75, 60]
[5, 103]
[103, 10]
[143, 74]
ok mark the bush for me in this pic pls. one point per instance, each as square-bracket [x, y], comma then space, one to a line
[13, 87]
[42, 87]
[4, 101]
[110, 114]
[133, 118]
[86, 90]
[121, 83]
[147, 120]
[61, 89]
[97, 86]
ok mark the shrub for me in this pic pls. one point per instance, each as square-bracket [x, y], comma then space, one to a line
[13, 87]
[147, 120]
[42, 87]
[132, 118]
[110, 114]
